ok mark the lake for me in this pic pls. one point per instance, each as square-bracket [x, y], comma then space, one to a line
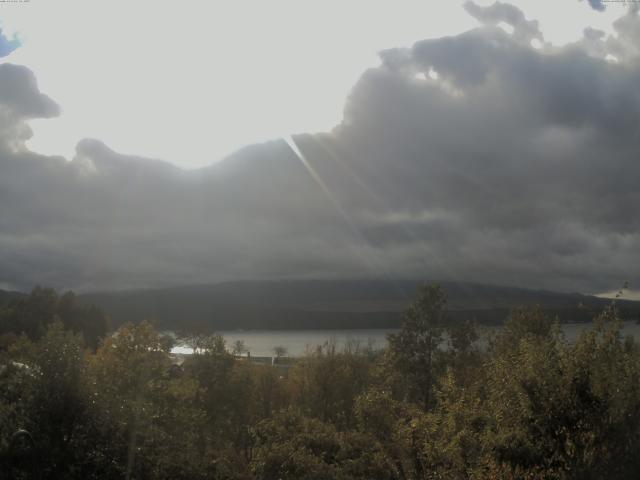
[261, 342]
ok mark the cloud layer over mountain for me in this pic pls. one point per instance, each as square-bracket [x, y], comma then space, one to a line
[488, 156]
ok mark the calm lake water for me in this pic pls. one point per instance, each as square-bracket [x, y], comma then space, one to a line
[261, 342]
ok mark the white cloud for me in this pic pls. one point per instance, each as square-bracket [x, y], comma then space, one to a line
[198, 81]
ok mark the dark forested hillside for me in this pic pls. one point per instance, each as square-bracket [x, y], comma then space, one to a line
[330, 304]
[32, 314]
[7, 296]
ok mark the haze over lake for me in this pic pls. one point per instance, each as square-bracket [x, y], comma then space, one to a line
[261, 342]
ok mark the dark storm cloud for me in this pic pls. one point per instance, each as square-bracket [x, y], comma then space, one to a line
[475, 157]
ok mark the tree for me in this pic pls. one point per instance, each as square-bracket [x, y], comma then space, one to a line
[239, 347]
[33, 313]
[279, 351]
[270, 391]
[560, 410]
[290, 446]
[54, 397]
[328, 381]
[129, 380]
[196, 341]
[224, 393]
[412, 351]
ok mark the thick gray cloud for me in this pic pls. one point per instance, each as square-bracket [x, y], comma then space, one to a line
[524, 30]
[19, 94]
[475, 157]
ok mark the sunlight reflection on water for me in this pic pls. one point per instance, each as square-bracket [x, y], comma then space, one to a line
[262, 342]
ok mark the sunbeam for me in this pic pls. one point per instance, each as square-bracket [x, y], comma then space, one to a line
[369, 259]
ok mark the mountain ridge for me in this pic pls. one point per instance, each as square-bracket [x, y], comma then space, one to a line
[318, 304]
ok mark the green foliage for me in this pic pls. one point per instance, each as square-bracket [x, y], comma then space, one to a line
[412, 353]
[32, 314]
[291, 446]
[127, 378]
[551, 409]
[45, 393]
[327, 383]
[439, 403]
[271, 391]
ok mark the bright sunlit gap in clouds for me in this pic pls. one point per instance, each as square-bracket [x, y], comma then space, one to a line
[192, 83]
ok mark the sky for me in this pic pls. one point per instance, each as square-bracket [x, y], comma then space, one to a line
[151, 144]
[199, 82]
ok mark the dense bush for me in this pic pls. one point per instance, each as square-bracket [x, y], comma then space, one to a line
[439, 403]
